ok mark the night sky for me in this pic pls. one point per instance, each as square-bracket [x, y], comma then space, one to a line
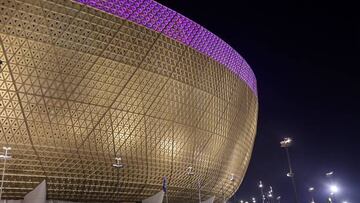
[305, 56]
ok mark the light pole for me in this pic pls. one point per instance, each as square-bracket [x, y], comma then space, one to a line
[278, 198]
[270, 194]
[311, 190]
[286, 143]
[5, 157]
[190, 172]
[261, 187]
[333, 190]
[333, 187]
[232, 179]
[118, 163]
[199, 188]
[253, 200]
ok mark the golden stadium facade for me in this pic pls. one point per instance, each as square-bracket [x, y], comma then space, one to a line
[83, 82]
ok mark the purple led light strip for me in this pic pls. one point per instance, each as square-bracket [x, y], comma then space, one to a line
[176, 26]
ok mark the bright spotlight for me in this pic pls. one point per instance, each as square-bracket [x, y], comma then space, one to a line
[334, 189]
[329, 173]
[286, 142]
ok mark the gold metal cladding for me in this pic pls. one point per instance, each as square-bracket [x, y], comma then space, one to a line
[79, 87]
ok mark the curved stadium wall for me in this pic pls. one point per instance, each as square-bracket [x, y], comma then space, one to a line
[83, 82]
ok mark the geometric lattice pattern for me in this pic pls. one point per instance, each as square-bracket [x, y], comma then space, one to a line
[159, 18]
[79, 87]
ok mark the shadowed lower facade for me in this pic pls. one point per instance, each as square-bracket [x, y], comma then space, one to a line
[83, 82]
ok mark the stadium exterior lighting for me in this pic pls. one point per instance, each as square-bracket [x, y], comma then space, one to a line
[232, 177]
[4, 157]
[286, 143]
[189, 171]
[118, 163]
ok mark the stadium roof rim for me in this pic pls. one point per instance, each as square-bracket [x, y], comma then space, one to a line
[160, 18]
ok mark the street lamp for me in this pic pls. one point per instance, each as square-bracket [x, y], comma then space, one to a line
[118, 163]
[333, 188]
[311, 190]
[261, 187]
[4, 157]
[270, 194]
[253, 200]
[286, 143]
[278, 199]
[232, 179]
[190, 172]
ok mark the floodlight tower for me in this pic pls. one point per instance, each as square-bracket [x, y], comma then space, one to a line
[4, 157]
[311, 190]
[333, 187]
[333, 190]
[261, 187]
[286, 143]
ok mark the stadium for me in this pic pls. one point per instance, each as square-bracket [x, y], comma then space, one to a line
[104, 99]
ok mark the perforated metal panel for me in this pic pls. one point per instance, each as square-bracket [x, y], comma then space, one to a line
[79, 87]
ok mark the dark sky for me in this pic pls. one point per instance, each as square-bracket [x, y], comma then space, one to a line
[306, 59]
